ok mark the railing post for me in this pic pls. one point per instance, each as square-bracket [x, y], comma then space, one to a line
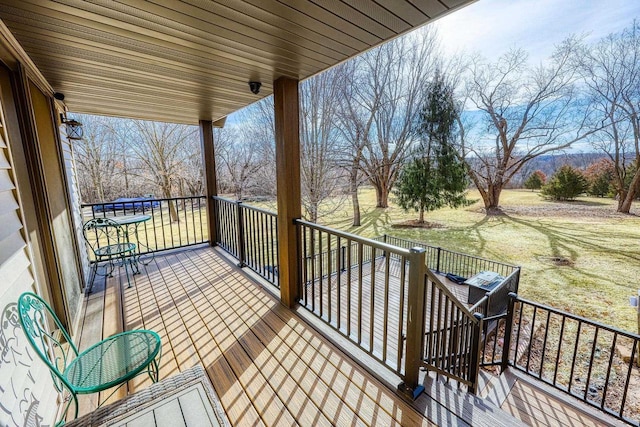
[476, 350]
[343, 258]
[214, 231]
[240, 234]
[438, 261]
[415, 325]
[508, 331]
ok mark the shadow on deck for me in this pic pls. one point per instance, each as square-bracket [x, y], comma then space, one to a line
[267, 364]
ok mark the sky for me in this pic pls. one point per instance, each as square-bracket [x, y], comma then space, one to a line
[491, 27]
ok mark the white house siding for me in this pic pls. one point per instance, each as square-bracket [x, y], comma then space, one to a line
[27, 394]
[76, 211]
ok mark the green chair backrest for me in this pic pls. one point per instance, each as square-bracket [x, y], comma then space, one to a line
[33, 313]
[103, 232]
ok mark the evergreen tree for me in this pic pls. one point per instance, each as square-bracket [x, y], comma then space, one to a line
[434, 177]
[535, 181]
[566, 184]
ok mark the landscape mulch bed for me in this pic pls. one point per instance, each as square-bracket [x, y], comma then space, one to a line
[412, 223]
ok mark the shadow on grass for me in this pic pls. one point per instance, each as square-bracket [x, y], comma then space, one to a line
[374, 220]
[563, 243]
[494, 219]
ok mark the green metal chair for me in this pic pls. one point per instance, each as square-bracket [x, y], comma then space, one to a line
[110, 363]
[109, 241]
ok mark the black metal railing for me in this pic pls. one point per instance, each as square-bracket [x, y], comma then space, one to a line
[172, 223]
[340, 258]
[260, 239]
[444, 261]
[452, 335]
[228, 226]
[347, 281]
[249, 234]
[595, 363]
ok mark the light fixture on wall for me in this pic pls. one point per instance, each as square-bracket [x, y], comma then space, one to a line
[73, 127]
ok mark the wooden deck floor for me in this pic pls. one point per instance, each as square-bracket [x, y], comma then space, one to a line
[267, 366]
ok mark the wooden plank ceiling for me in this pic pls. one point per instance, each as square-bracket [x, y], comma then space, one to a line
[185, 60]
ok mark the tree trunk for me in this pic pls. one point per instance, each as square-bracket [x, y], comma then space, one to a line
[100, 187]
[382, 196]
[313, 212]
[421, 215]
[356, 207]
[126, 176]
[173, 211]
[491, 198]
[354, 195]
[624, 204]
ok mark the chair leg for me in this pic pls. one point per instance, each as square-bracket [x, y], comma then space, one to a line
[75, 403]
[92, 277]
[156, 367]
[112, 266]
[125, 261]
[63, 417]
[135, 259]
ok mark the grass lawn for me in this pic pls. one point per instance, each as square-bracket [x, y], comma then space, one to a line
[599, 250]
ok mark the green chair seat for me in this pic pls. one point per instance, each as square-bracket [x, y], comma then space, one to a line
[110, 363]
[115, 250]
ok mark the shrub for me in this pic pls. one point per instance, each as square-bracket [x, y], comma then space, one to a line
[535, 181]
[599, 175]
[566, 184]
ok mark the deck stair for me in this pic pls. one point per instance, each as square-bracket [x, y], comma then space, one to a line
[534, 403]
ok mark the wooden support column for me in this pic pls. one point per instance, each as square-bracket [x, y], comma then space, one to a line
[411, 386]
[286, 104]
[209, 163]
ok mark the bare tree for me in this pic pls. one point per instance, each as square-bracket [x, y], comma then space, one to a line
[524, 112]
[355, 122]
[391, 83]
[96, 157]
[255, 128]
[120, 131]
[191, 169]
[237, 161]
[611, 71]
[158, 149]
[320, 175]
